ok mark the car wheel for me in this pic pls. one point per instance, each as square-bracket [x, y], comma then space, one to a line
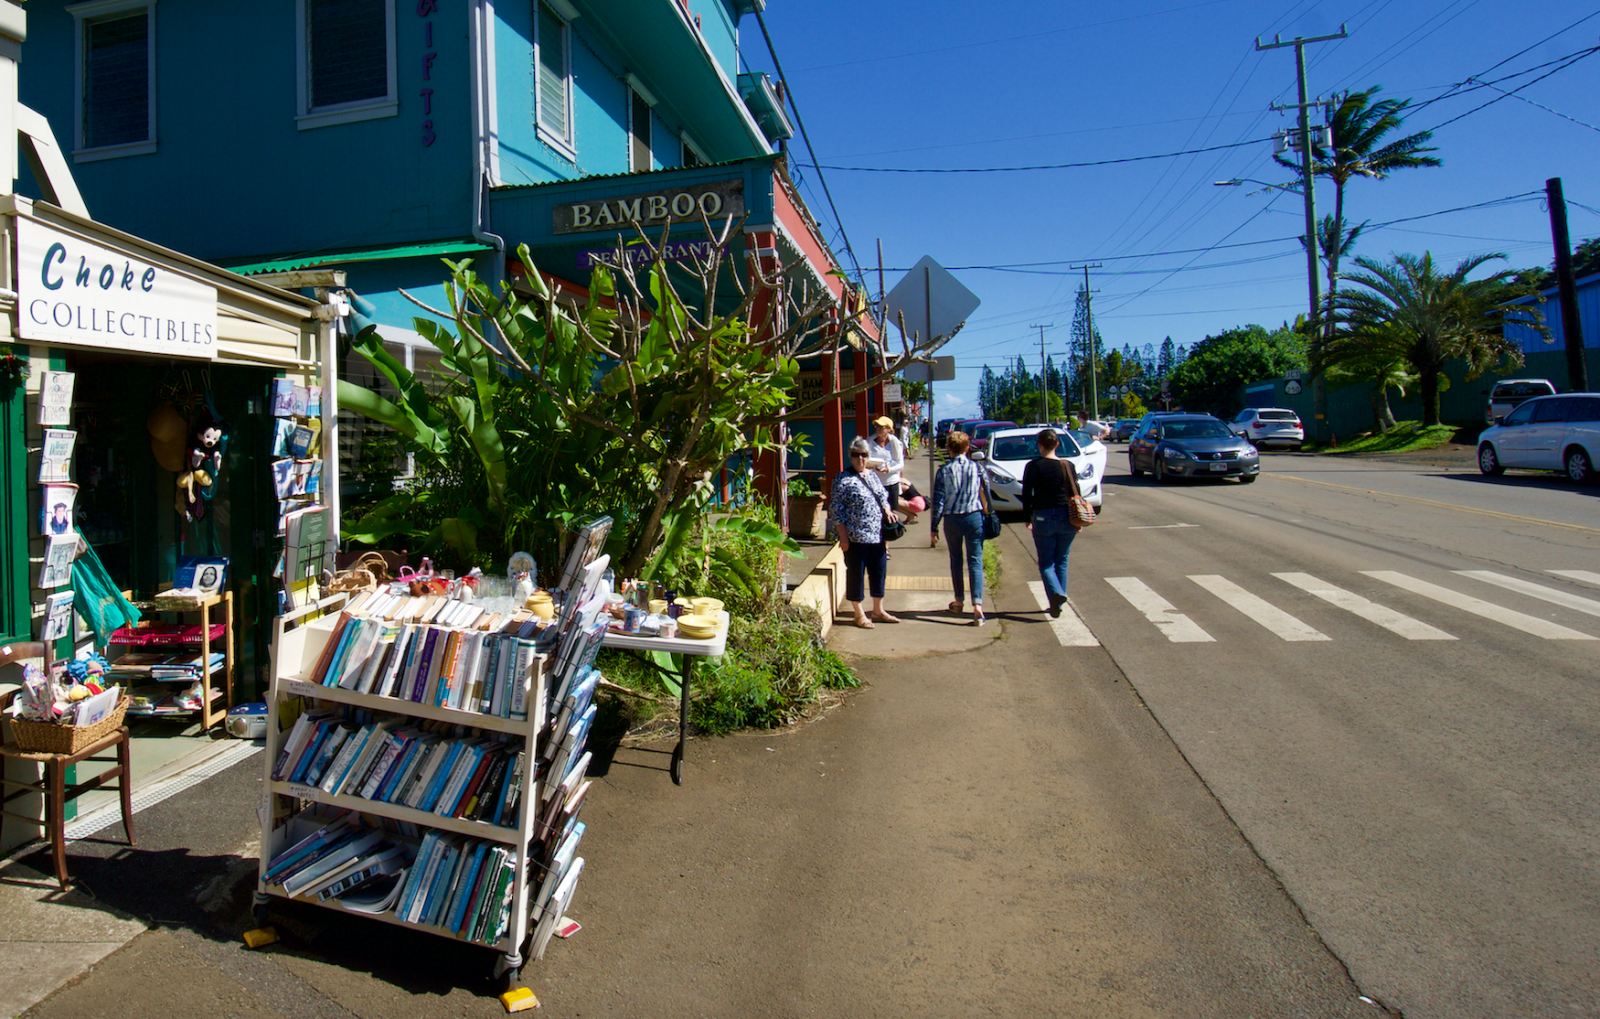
[1160, 471]
[1133, 467]
[1488, 462]
[1580, 469]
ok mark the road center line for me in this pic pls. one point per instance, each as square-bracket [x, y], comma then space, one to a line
[1259, 609]
[1439, 505]
[1069, 627]
[1160, 527]
[1532, 590]
[1371, 611]
[1528, 624]
[1178, 628]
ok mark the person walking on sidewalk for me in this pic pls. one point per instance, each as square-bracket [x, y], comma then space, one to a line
[885, 446]
[858, 508]
[1048, 483]
[958, 501]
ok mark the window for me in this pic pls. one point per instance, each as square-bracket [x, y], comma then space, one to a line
[553, 81]
[693, 155]
[115, 64]
[639, 134]
[1550, 410]
[1585, 409]
[345, 59]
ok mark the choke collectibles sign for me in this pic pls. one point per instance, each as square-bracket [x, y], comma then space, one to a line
[74, 291]
[717, 200]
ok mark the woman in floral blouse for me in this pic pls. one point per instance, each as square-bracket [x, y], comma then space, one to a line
[858, 508]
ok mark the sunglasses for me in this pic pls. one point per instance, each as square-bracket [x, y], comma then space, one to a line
[854, 455]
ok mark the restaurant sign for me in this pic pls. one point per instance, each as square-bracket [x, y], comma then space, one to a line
[74, 291]
[717, 200]
[637, 252]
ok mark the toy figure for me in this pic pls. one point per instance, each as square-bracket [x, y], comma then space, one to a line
[207, 439]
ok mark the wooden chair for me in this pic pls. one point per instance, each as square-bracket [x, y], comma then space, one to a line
[54, 789]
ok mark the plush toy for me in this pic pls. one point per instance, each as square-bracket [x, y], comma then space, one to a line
[203, 463]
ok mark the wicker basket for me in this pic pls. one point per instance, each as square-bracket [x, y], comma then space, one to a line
[49, 738]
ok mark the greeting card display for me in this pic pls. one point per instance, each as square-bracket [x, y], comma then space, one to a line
[55, 398]
[58, 556]
[55, 459]
[55, 514]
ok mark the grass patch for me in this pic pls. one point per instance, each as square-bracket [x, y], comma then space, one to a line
[1404, 437]
[991, 567]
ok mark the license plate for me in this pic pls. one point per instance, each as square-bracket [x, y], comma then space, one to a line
[1219, 467]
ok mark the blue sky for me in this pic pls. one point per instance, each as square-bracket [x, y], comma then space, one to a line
[937, 84]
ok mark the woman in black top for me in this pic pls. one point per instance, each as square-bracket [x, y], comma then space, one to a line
[1047, 485]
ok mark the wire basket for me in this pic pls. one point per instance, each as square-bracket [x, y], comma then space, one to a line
[50, 738]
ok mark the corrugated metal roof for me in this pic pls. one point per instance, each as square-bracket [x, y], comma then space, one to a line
[368, 255]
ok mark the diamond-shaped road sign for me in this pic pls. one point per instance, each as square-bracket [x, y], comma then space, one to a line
[933, 301]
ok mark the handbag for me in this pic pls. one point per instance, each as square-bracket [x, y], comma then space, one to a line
[991, 519]
[1080, 511]
[894, 531]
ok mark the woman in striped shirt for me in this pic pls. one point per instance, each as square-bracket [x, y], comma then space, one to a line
[958, 501]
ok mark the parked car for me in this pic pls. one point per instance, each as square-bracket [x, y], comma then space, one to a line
[1508, 394]
[980, 432]
[1009, 452]
[1124, 430]
[1142, 435]
[1546, 433]
[1269, 426]
[1192, 446]
[943, 430]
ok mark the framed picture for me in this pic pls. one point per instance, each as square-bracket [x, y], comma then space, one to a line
[55, 514]
[206, 573]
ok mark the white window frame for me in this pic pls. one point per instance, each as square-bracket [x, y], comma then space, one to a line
[306, 118]
[82, 12]
[637, 88]
[565, 13]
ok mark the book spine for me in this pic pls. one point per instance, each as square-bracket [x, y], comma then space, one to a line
[393, 750]
[424, 663]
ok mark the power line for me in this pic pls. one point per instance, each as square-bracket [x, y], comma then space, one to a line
[1542, 106]
[789, 94]
[1581, 55]
[1017, 169]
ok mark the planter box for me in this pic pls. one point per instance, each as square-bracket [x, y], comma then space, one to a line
[808, 516]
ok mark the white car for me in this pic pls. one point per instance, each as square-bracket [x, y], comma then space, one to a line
[1269, 426]
[1009, 451]
[1546, 433]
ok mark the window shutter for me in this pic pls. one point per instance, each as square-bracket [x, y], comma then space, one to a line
[349, 57]
[116, 93]
[552, 72]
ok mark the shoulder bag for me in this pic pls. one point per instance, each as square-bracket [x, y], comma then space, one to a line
[991, 519]
[891, 532]
[1080, 512]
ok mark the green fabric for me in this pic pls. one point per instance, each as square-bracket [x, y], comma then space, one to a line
[97, 599]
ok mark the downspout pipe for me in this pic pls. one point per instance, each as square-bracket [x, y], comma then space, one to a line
[484, 135]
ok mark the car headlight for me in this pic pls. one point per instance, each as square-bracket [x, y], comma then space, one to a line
[1177, 454]
[998, 475]
[1250, 451]
[1087, 472]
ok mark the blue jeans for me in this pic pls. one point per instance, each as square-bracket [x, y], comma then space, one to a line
[1052, 540]
[965, 529]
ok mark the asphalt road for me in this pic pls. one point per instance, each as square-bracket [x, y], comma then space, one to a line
[1375, 669]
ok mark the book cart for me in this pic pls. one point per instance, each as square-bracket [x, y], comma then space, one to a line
[297, 648]
[153, 640]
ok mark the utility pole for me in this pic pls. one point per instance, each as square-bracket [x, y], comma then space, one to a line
[1571, 326]
[1319, 387]
[1094, 348]
[1044, 377]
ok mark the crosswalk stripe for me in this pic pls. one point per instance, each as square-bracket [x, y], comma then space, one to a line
[1532, 590]
[1371, 611]
[1259, 609]
[1587, 576]
[1069, 627]
[1177, 627]
[1528, 624]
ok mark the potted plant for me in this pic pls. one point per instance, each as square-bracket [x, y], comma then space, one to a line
[808, 510]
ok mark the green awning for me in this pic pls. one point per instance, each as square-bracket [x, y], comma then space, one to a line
[369, 255]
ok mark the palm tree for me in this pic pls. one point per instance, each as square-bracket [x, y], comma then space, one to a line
[1359, 125]
[1411, 312]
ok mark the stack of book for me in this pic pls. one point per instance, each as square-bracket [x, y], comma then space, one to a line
[435, 651]
[187, 667]
[461, 886]
[338, 859]
[447, 770]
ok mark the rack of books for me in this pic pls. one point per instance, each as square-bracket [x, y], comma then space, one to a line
[425, 766]
[174, 667]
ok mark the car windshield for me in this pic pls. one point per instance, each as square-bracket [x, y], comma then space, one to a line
[1195, 430]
